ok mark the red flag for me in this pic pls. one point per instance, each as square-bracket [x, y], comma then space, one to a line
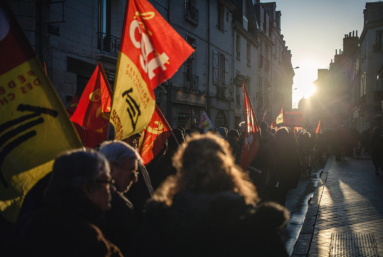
[319, 129]
[293, 119]
[70, 110]
[251, 142]
[154, 136]
[72, 105]
[93, 110]
[264, 116]
[151, 51]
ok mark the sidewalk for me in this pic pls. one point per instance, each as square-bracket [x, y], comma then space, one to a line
[345, 216]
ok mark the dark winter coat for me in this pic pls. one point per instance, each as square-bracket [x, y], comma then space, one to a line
[119, 224]
[217, 224]
[65, 228]
[376, 146]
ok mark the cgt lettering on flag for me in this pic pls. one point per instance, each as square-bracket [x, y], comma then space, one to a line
[151, 51]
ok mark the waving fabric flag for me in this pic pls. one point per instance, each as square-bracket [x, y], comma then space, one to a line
[205, 123]
[154, 136]
[251, 142]
[280, 117]
[319, 128]
[293, 119]
[34, 126]
[93, 110]
[151, 51]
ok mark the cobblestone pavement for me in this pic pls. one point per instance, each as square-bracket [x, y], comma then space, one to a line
[349, 199]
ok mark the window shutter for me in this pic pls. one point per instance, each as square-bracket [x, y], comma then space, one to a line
[226, 71]
[215, 67]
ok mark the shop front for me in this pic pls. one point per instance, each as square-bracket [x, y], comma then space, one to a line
[187, 108]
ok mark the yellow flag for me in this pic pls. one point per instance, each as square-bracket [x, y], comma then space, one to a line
[34, 126]
[280, 117]
[150, 53]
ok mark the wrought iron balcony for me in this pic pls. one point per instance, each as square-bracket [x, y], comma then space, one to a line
[191, 82]
[191, 14]
[220, 92]
[108, 44]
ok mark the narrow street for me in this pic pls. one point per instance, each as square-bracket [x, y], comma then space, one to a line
[297, 203]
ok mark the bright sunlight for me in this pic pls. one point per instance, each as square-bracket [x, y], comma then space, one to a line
[308, 90]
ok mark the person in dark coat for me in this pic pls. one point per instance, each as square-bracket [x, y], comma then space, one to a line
[141, 191]
[232, 138]
[376, 148]
[164, 166]
[209, 208]
[288, 164]
[79, 192]
[119, 224]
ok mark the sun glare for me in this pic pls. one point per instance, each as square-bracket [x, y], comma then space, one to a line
[309, 90]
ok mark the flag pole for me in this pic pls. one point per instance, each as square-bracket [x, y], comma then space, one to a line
[255, 117]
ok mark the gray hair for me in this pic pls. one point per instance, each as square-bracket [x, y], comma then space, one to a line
[116, 151]
[73, 169]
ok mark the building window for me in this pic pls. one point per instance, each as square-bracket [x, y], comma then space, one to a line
[378, 41]
[191, 12]
[248, 54]
[215, 67]
[191, 80]
[220, 120]
[106, 43]
[238, 46]
[221, 18]
[363, 89]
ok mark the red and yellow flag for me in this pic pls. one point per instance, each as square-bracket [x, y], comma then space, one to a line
[251, 142]
[34, 126]
[319, 128]
[93, 110]
[280, 117]
[154, 136]
[151, 51]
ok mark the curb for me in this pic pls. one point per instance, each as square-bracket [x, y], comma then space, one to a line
[302, 245]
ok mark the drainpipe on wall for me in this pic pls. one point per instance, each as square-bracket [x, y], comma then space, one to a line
[208, 61]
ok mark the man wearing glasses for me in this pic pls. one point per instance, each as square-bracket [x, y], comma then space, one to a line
[119, 224]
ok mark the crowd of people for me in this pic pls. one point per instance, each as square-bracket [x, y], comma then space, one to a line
[192, 199]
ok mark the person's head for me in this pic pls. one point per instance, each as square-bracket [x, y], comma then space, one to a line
[222, 131]
[175, 141]
[306, 135]
[80, 174]
[205, 164]
[133, 140]
[123, 160]
[273, 131]
[233, 135]
[282, 135]
[263, 126]
[242, 127]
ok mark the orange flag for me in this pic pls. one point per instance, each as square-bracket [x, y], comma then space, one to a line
[251, 142]
[93, 110]
[319, 129]
[154, 136]
[151, 51]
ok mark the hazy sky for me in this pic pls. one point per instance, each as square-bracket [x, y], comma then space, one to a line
[313, 29]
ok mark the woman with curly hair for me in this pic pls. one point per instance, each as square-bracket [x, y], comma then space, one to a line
[209, 208]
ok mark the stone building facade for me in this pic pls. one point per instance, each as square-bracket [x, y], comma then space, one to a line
[350, 92]
[230, 37]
